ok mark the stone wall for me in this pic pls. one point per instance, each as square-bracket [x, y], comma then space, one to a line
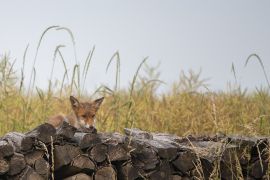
[69, 153]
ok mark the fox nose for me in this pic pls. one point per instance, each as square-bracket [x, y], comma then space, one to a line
[89, 126]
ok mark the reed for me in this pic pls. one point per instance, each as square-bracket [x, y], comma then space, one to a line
[188, 107]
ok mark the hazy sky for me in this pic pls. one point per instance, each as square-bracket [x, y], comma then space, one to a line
[180, 35]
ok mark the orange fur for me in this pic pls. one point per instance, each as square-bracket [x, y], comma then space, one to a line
[83, 114]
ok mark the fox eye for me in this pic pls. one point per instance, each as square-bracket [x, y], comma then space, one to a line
[84, 116]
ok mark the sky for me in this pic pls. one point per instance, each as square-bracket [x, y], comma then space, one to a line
[175, 35]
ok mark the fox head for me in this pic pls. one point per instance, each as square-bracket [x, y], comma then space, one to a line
[85, 111]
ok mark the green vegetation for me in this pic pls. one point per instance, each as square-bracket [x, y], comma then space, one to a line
[183, 109]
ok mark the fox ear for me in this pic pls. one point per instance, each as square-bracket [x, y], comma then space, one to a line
[97, 103]
[74, 102]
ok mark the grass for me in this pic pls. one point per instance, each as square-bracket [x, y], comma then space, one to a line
[183, 109]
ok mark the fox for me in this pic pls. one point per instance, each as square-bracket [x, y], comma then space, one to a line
[82, 116]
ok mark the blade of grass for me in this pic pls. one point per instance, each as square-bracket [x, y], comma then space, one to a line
[117, 74]
[261, 64]
[23, 65]
[86, 65]
[36, 54]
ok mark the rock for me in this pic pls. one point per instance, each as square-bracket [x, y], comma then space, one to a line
[34, 156]
[14, 139]
[144, 158]
[164, 149]
[99, 153]
[44, 133]
[128, 171]
[42, 167]
[185, 161]
[86, 140]
[163, 172]
[258, 169]
[66, 131]
[27, 174]
[16, 164]
[105, 173]
[138, 133]
[80, 176]
[4, 166]
[117, 153]
[83, 163]
[63, 155]
[6, 149]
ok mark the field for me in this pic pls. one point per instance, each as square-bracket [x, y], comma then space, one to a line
[184, 109]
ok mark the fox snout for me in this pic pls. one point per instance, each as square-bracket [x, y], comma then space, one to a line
[85, 111]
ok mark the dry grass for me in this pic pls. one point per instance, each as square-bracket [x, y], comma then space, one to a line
[182, 110]
[177, 111]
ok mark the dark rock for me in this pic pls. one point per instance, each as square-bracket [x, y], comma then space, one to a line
[80, 176]
[86, 140]
[34, 156]
[14, 139]
[105, 173]
[175, 177]
[5, 149]
[4, 166]
[83, 163]
[138, 133]
[163, 172]
[117, 153]
[27, 174]
[86, 154]
[128, 171]
[43, 133]
[99, 152]
[258, 169]
[144, 158]
[66, 131]
[164, 149]
[42, 167]
[185, 161]
[63, 155]
[16, 164]
[91, 130]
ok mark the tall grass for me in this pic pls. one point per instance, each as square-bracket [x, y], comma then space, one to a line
[188, 107]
